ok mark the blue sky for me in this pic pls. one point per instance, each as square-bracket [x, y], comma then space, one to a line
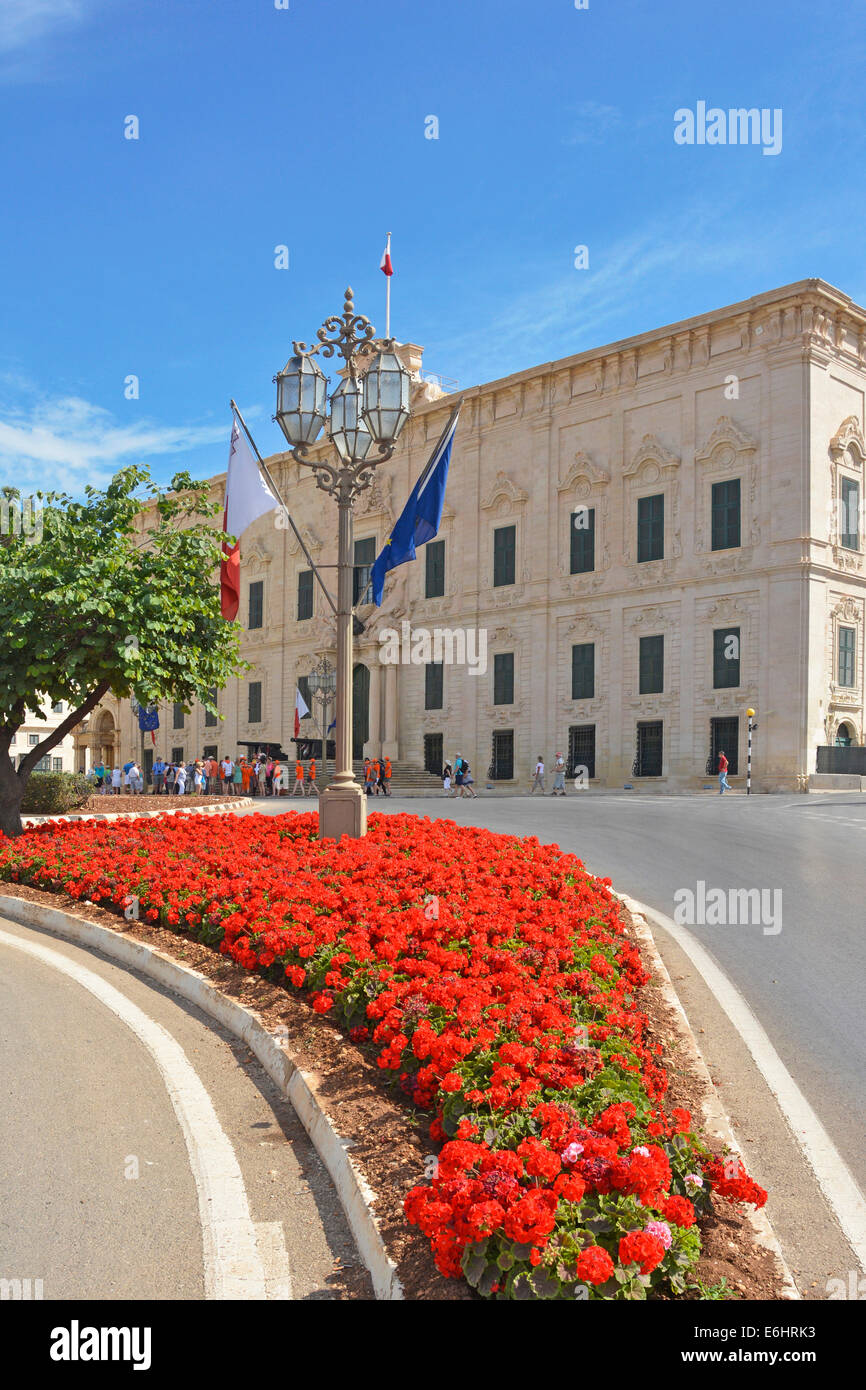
[306, 127]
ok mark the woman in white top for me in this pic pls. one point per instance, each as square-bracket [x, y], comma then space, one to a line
[116, 775]
[278, 778]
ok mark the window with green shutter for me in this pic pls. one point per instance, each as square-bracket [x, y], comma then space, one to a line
[211, 719]
[365, 554]
[847, 649]
[726, 657]
[305, 595]
[434, 552]
[849, 522]
[177, 717]
[583, 671]
[651, 528]
[504, 555]
[725, 514]
[503, 678]
[254, 702]
[652, 665]
[433, 685]
[257, 589]
[582, 540]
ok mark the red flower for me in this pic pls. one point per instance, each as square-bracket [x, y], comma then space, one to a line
[679, 1210]
[639, 1247]
[594, 1265]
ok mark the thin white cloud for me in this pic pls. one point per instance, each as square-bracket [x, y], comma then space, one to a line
[593, 122]
[66, 443]
[23, 22]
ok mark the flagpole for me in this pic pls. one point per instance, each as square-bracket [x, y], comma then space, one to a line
[388, 294]
[264, 467]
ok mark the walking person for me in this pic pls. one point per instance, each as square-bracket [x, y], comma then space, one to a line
[299, 789]
[558, 776]
[369, 781]
[467, 791]
[386, 777]
[724, 784]
[446, 779]
[538, 779]
[313, 786]
[458, 777]
[277, 779]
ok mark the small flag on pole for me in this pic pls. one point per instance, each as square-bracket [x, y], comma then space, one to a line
[385, 264]
[302, 709]
[248, 496]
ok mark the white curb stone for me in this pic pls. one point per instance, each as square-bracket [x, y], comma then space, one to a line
[298, 1086]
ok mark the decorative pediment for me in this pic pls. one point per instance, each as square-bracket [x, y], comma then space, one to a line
[848, 610]
[648, 617]
[255, 552]
[725, 432]
[651, 450]
[376, 500]
[583, 468]
[502, 635]
[311, 541]
[848, 434]
[503, 489]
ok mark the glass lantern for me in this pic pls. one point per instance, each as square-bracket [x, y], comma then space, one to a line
[386, 388]
[302, 394]
[347, 429]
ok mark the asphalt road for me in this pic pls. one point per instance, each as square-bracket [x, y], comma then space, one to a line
[801, 966]
[100, 1190]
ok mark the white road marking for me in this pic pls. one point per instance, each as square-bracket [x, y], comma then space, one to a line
[240, 1260]
[832, 1173]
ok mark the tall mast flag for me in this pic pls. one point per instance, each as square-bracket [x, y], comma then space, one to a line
[248, 496]
[420, 518]
[385, 264]
[302, 709]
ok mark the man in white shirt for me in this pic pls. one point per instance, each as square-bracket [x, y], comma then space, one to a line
[227, 767]
[539, 776]
[180, 780]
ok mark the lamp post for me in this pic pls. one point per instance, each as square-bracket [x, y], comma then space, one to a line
[323, 683]
[368, 411]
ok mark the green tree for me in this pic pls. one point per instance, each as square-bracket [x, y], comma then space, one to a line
[94, 599]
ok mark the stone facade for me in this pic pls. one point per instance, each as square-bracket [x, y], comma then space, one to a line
[769, 392]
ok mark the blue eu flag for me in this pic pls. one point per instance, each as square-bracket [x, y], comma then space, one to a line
[148, 719]
[419, 519]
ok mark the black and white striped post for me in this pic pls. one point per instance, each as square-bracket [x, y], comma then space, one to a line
[750, 715]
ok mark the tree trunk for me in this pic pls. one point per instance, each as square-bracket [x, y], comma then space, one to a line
[11, 796]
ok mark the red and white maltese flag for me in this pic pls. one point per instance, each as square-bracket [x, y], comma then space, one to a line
[385, 264]
[248, 496]
[301, 709]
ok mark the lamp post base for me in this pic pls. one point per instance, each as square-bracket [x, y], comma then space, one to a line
[342, 811]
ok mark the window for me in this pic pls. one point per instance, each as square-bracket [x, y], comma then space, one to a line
[433, 685]
[305, 595]
[504, 552]
[581, 749]
[652, 666]
[726, 657]
[365, 554]
[304, 687]
[725, 514]
[849, 522]
[254, 702]
[502, 762]
[583, 671]
[847, 639]
[211, 719]
[724, 738]
[648, 758]
[177, 755]
[32, 740]
[582, 540]
[435, 569]
[257, 589]
[503, 678]
[651, 528]
[210, 750]
[57, 708]
[177, 722]
[12, 741]
[434, 757]
[56, 764]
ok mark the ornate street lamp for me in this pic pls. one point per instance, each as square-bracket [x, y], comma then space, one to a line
[322, 682]
[368, 410]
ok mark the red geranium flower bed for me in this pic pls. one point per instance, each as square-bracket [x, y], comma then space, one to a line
[495, 982]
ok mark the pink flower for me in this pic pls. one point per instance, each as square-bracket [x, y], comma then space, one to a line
[642, 1150]
[572, 1153]
[662, 1231]
[693, 1180]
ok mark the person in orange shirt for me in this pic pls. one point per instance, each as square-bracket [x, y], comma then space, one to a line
[245, 776]
[377, 775]
[386, 780]
[299, 789]
[313, 787]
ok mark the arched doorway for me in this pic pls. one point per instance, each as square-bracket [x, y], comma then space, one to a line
[104, 736]
[844, 736]
[360, 710]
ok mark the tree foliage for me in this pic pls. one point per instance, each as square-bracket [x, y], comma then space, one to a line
[99, 598]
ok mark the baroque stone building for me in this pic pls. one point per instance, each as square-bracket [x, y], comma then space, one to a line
[654, 536]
